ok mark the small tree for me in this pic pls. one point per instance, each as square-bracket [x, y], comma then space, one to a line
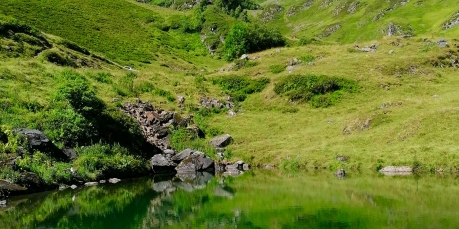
[235, 42]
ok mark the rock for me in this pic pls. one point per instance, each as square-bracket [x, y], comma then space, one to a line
[102, 181]
[244, 57]
[340, 173]
[391, 51]
[442, 43]
[31, 181]
[182, 155]
[396, 170]
[221, 141]
[160, 164]
[453, 22]
[290, 69]
[73, 186]
[3, 138]
[245, 167]
[195, 162]
[233, 172]
[91, 184]
[6, 185]
[113, 180]
[37, 141]
[342, 158]
[180, 99]
[70, 153]
[391, 30]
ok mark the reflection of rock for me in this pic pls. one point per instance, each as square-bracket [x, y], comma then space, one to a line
[162, 186]
[221, 192]
[185, 181]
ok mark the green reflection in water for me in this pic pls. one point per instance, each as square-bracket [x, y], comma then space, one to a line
[257, 199]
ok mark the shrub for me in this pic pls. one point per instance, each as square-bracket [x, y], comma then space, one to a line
[277, 68]
[68, 127]
[100, 159]
[102, 77]
[239, 87]
[243, 39]
[50, 171]
[307, 58]
[321, 91]
[74, 47]
[58, 58]
[183, 138]
[75, 89]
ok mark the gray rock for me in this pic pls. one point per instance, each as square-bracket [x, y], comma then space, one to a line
[182, 155]
[221, 141]
[391, 51]
[70, 153]
[245, 167]
[396, 170]
[160, 161]
[391, 30]
[195, 162]
[442, 43]
[3, 203]
[6, 185]
[37, 140]
[290, 69]
[232, 172]
[73, 186]
[113, 180]
[3, 138]
[102, 181]
[180, 99]
[91, 183]
[244, 57]
[341, 173]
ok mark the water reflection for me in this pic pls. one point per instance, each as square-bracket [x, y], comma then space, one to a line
[257, 199]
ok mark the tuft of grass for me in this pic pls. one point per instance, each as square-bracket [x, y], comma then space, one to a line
[239, 87]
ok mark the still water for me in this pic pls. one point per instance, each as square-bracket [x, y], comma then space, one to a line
[256, 199]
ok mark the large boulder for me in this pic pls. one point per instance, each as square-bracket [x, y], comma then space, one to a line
[221, 141]
[160, 164]
[182, 155]
[3, 137]
[195, 162]
[6, 185]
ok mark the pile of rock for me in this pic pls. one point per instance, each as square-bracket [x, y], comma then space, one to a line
[453, 22]
[210, 103]
[187, 161]
[155, 123]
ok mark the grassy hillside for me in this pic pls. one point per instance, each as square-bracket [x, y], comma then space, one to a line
[396, 105]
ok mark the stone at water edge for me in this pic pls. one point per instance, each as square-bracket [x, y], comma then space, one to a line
[221, 141]
[396, 169]
[73, 186]
[102, 181]
[160, 164]
[195, 162]
[113, 180]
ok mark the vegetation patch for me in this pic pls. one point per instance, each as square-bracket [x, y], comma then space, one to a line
[277, 68]
[239, 87]
[320, 91]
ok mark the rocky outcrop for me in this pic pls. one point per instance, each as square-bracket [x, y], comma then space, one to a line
[155, 123]
[38, 141]
[453, 22]
[270, 12]
[221, 141]
[210, 103]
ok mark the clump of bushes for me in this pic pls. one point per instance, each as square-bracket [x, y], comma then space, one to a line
[277, 68]
[252, 38]
[240, 86]
[320, 91]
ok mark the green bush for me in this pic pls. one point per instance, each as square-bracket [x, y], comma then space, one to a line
[184, 138]
[99, 160]
[277, 68]
[253, 38]
[102, 77]
[74, 47]
[239, 87]
[321, 91]
[307, 58]
[58, 58]
[67, 127]
[75, 89]
[51, 171]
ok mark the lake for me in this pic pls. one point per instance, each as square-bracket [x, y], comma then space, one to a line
[256, 199]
